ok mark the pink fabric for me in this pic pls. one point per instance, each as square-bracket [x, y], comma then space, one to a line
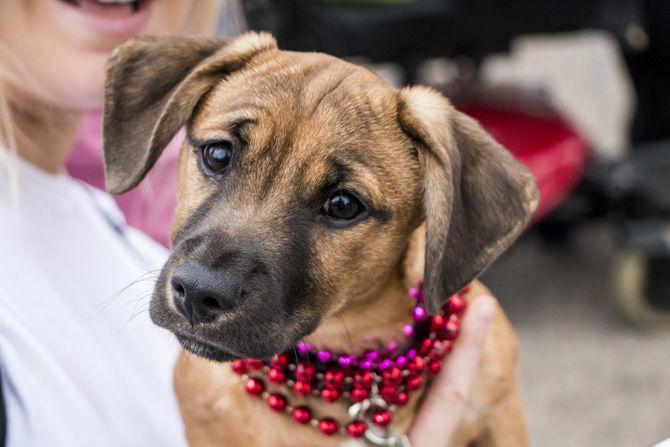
[150, 206]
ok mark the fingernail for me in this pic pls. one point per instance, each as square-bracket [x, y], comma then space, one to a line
[486, 307]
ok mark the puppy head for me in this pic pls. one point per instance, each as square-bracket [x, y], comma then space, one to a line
[300, 182]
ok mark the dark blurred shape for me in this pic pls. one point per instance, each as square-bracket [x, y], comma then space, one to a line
[634, 194]
[650, 69]
[409, 31]
[639, 186]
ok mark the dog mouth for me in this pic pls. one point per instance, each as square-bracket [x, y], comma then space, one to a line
[206, 350]
[203, 305]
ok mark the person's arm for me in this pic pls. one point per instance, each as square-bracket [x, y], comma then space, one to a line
[442, 409]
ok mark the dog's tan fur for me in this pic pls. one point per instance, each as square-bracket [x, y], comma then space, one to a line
[412, 155]
[218, 412]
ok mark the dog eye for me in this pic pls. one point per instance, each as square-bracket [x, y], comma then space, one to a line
[342, 206]
[217, 156]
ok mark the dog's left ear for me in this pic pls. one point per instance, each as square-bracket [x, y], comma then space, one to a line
[153, 85]
[477, 197]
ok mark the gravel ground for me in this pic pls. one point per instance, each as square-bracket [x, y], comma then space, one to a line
[590, 379]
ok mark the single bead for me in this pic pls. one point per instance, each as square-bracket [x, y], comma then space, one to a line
[372, 355]
[302, 388]
[455, 305]
[413, 292]
[401, 361]
[411, 354]
[356, 429]
[388, 393]
[367, 364]
[452, 328]
[419, 314]
[239, 367]
[408, 330]
[433, 367]
[277, 402]
[359, 394]
[414, 382]
[401, 399]
[381, 418]
[328, 426]
[302, 415]
[276, 376]
[324, 356]
[303, 348]
[254, 387]
[392, 346]
[385, 364]
[330, 394]
[437, 323]
[345, 361]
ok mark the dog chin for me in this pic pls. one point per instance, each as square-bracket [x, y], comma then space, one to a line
[205, 350]
[212, 352]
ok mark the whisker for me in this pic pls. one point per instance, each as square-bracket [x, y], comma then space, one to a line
[151, 275]
[346, 331]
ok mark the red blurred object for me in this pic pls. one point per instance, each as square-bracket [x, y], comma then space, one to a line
[548, 146]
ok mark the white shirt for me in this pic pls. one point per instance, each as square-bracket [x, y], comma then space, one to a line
[81, 362]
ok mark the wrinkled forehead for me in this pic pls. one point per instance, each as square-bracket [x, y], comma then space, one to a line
[307, 80]
[309, 117]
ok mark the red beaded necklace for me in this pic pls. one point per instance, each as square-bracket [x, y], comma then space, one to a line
[374, 384]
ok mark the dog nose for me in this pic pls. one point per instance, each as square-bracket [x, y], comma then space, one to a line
[201, 294]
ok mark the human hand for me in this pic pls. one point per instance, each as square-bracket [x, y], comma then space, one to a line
[443, 406]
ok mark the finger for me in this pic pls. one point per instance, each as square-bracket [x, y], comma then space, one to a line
[443, 406]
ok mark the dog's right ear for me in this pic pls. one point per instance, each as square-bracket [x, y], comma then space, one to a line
[152, 87]
[477, 198]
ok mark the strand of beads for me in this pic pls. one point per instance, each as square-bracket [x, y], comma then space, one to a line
[331, 377]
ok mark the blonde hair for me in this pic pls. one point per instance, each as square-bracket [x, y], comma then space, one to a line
[203, 19]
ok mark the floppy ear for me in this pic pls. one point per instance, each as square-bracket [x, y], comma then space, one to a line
[152, 87]
[477, 197]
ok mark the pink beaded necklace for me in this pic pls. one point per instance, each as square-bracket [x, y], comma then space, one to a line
[374, 384]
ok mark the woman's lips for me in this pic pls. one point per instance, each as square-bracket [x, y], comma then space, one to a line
[108, 8]
[110, 17]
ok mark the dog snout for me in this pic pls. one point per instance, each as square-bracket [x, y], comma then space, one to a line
[201, 293]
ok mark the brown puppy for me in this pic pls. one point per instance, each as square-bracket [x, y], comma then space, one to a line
[302, 187]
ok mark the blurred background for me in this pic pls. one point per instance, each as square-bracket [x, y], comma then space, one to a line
[579, 91]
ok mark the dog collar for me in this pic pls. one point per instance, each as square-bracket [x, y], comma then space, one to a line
[373, 384]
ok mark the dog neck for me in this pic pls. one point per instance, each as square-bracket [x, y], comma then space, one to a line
[368, 324]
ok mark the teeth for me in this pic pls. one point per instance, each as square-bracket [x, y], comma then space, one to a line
[134, 4]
